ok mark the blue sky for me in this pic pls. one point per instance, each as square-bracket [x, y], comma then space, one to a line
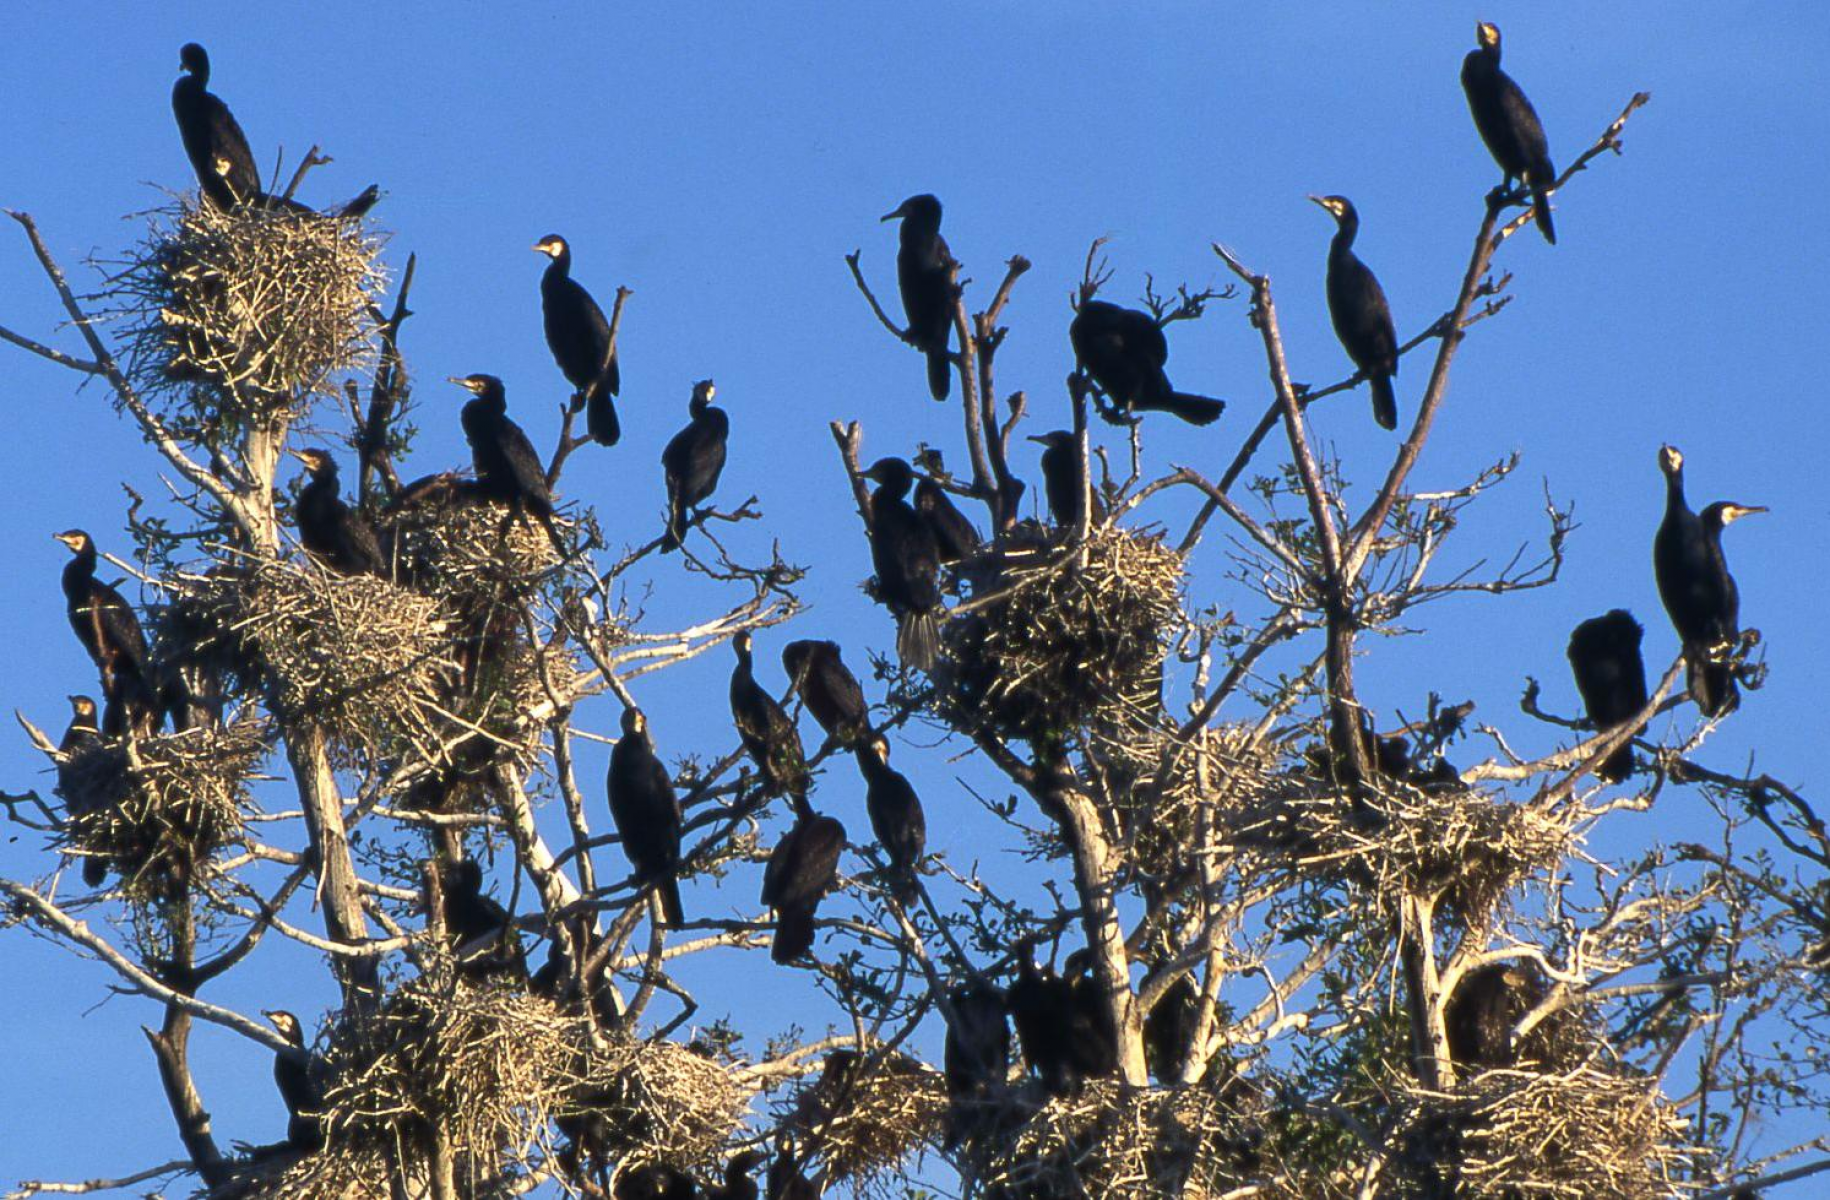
[720, 160]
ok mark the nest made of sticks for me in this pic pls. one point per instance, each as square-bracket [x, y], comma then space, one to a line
[656, 1101]
[1048, 645]
[362, 658]
[242, 316]
[450, 542]
[1574, 1134]
[865, 1122]
[159, 813]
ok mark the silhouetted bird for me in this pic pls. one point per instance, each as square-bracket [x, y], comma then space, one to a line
[1362, 319]
[1040, 1004]
[508, 469]
[693, 460]
[334, 533]
[1124, 351]
[213, 141]
[579, 336]
[925, 273]
[906, 556]
[1094, 1043]
[1604, 655]
[771, 739]
[1061, 479]
[895, 812]
[82, 736]
[654, 1181]
[976, 1056]
[737, 1182]
[106, 626]
[1169, 1031]
[953, 533]
[303, 1097]
[785, 1179]
[646, 813]
[1485, 1008]
[1509, 124]
[801, 870]
[829, 690]
[481, 932]
[1699, 593]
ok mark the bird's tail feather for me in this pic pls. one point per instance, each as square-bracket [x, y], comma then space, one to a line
[1385, 404]
[1617, 766]
[1712, 684]
[676, 525]
[940, 374]
[793, 934]
[1196, 410]
[1540, 202]
[669, 892]
[918, 639]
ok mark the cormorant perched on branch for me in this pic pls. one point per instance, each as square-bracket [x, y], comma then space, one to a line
[579, 336]
[479, 928]
[337, 535]
[785, 1178]
[508, 470]
[1094, 1042]
[906, 555]
[1362, 319]
[895, 811]
[1040, 1002]
[1604, 655]
[1698, 591]
[304, 1099]
[1169, 1031]
[737, 1182]
[108, 629]
[801, 870]
[770, 737]
[654, 1181]
[976, 1056]
[82, 734]
[646, 813]
[693, 460]
[1487, 1004]
[213, 141]
[1061, 478]
[1124, 351]
[925, 273]
[829, 690]
[953, 533]
[1509, 124]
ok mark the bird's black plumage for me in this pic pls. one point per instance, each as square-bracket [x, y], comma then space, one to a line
[654, 1181]
[1094, 1040]
[303, 1097]
[976, 1055]
[925, 273]
[737, 1183]
[81, 737]
[693, 460]
[1509, 124]
[1169, 1031]
[785, 1179]
[337, 535]
[1040, 1002]
[479, 929]
[106, 626]
[508, 469]
[1699, 593]
[801, 870]
[1485, 1008]
[213, 140]
[895, 812]
[1124, 350]
[1062, 477]
[829, 690]
[578, 334]
[1604, 655]
[771, 739]
[956, 536]
[646, 812]
[1362, 319]
[906, 556]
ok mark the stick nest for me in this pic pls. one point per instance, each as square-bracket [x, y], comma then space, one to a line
[656, 1102]
[160, 815]
[864, 1125]
[1576, 1134]
[241, 318]
[1048, 645]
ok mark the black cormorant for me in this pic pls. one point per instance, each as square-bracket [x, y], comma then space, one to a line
[785, 1179]
[507, 468]
[337, 535]
[829, 690]
[1604, 654]
[801, 870]
[1486, 1006]
[693, 460]
[925, 272]
[1169, 1031]
[770, 737]
[303, 1097]
[108, 629]
[976, 1056]
[479, 929]
[654, 1181]
[1040, 1002]
[953, 533]
[82, 735]
[1509, 124]
[906, 555]
[646, 813]
[1094, 1042]
[1362, 318]
[1061, 478]
[579, 336]
[737, 1182]
[1124, 351]
[895, 811]
[1698, 591]
[214, 142]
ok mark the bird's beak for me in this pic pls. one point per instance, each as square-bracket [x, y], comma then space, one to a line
[1735, 512]
[1318, 200]
[1038, 439]
[299, 456]
[901, 211]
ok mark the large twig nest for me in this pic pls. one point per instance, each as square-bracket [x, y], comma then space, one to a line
[237, 318]
[160, 814]
[655, 1101]
[1047, 645]
[450, 542]
[864, 1121]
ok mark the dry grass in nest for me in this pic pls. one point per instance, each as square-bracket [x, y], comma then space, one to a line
[1460, 845]
[358, 656]
[1162, 785]
[240, 317]
[864, 1125]
[1109, 1142]
[1576, 1134]
[658, 1101]
[1047, 645]
[456, 545]
[159, 816]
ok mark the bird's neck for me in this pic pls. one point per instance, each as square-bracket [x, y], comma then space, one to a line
[1344, 236]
